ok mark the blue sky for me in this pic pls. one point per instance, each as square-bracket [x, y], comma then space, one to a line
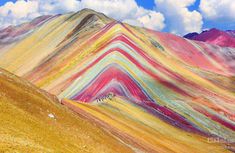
[176, 16]
[149, 4]
[223, 25]
[4, 1]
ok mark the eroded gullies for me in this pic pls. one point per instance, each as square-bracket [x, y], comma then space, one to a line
[165, 86]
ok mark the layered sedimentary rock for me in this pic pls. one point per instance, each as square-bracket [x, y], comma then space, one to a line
[154, 91]
[215, 36]
[33, 121]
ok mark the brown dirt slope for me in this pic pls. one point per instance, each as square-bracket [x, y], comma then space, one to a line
[32, 121]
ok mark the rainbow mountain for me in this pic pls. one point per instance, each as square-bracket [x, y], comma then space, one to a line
[154, 91]
[34, 121]
[215, 36]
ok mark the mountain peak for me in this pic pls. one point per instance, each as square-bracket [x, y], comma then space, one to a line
[146, 88]
[214, 36]
[88, 10]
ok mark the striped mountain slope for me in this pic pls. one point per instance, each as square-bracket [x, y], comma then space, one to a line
[157, 91]
[33, 121]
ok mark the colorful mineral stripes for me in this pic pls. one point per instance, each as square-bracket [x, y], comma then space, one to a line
[174, 93]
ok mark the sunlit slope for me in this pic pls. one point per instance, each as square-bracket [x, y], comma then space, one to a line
[44, 41]
[185, 86]
[122, 61]
[214, 36]
[12, 35]
[142, 129]
[33, 121]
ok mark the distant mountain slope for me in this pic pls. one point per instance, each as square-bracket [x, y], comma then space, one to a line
[14, 33]
[85, 57]
[215, 36]
[33, 121]
[231, 32]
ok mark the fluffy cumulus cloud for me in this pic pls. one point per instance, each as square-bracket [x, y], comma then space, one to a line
[127, 11]
[180, 19]
[123, 10]
[151, 20]
[218, 9]
[12, 13]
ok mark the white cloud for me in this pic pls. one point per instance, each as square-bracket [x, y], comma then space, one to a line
[11, 12]
[179, 18]
[127, 11]
[218, 9]
[57, 6]
[118, 9]
[152, 20]
[123, 10]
